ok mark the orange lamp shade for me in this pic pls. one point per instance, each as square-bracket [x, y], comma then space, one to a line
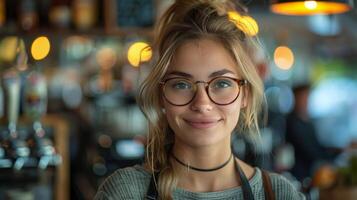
[310, 7]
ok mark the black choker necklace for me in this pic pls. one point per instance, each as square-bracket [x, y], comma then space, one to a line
[200, 169]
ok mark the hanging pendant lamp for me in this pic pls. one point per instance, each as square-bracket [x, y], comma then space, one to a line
[310, 7]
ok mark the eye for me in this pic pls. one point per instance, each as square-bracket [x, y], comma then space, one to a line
[179, 84]
[221, 83]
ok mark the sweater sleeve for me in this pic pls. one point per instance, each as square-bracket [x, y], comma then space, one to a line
[101, 195]
[283, 189]
[125, 183]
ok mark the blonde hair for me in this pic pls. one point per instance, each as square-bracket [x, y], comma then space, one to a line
[188, 20]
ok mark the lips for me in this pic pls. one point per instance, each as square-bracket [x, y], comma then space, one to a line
[202, 123]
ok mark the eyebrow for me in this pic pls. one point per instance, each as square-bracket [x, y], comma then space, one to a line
[178, 73]
[214, 74]
[221, 72]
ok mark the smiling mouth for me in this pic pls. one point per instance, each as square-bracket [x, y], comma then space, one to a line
[202, 124]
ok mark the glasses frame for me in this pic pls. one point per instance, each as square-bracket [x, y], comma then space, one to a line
[240, 82]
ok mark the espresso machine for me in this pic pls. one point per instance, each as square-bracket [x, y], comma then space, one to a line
[13, 140]
[28, 156]
[34, 105]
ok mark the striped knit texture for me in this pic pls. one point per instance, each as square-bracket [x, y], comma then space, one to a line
[133, 182]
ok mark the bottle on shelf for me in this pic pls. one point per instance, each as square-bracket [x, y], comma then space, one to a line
[84, 14]
[27, 15]
[2, 13]
[59, 14]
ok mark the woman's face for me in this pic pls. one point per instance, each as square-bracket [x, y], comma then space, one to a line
[202, 122]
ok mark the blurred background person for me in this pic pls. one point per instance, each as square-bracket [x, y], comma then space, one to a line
[301, 133]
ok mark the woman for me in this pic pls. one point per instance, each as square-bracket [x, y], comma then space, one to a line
[202, 88]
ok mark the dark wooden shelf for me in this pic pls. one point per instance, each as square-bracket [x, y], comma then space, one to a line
[123, 32]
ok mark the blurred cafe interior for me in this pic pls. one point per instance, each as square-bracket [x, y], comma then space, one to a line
[70, 71]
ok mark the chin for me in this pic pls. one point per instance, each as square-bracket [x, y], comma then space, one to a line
[201, 138]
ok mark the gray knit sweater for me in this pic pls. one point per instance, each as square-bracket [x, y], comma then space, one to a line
[133, 183]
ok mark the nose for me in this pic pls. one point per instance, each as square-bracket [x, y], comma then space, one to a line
[201, 103]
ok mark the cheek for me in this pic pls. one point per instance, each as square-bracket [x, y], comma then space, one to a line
[232, 112]
[171, 114]
[170, 118]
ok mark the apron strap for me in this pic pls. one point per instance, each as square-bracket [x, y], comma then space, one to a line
[247, 190]
[268, 189]
[152, 193]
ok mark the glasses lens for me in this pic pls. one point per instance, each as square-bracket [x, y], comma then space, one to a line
[179, 91]
[223, 90]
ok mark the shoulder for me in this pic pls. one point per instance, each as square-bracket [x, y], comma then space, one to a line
[126, 183]
[283, 188]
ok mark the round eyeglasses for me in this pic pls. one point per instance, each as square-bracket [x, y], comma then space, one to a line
[221, 90]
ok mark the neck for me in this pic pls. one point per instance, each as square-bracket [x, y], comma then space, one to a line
[190, 167]
[198, 181]
[204, 158]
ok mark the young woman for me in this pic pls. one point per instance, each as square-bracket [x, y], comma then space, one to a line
[202, 89]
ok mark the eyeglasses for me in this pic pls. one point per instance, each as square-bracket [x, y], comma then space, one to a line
[221, 90]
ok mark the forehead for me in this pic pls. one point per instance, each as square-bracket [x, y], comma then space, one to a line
[202, 57]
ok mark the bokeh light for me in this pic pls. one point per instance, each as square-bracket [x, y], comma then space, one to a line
[139, 52]
[9, 47]
[283, 57]
[280, 99]
[310, 5]
[40, 48]
[106, 57]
